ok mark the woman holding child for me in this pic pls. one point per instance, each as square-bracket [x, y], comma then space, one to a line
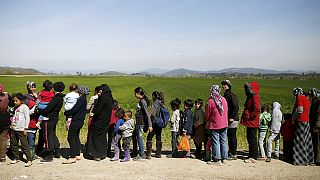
[78, 114]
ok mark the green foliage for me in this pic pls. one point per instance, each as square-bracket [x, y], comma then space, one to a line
[183, 88]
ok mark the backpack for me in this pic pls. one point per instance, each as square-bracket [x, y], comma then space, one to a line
[162, 120]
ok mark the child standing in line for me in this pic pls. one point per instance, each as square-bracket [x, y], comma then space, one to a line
[19, 126]
[275, 131]
[174, 124]
[112, 124]
[265, 118]
[70, 100]
[44, 97]
[199, 125]
[127, 129]
[117, 134]
[287, 131]
[188, 121]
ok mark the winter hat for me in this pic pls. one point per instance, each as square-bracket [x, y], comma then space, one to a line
[1, 88]
[58, 86]
[47, 84]
[226, 82]
[84, 90]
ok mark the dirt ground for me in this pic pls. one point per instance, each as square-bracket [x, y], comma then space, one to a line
[163, 168]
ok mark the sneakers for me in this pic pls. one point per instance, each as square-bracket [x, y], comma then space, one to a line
[46, 159]
[268, 159]
[28, 164]
[215, 162]
[232, 157]
[138, 158]
[15, 161]
[78, 158]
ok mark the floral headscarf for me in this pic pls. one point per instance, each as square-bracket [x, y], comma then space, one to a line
[215, 95]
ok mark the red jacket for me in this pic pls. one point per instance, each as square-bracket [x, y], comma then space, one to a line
[251, 112]
[113, 119]
[34, 117]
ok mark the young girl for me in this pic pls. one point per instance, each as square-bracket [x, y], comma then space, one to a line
[127, 129]
[70, 100]
[143, 120]
[19, 126]
[199, 125]
[265, 118]
[117, 134]
[188, 121]
[174, 122]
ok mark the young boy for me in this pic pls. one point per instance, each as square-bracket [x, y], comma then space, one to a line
[274, 131]
[127, 129]
[265, 118]
[188, 122]
[287, 131]
[199, 125]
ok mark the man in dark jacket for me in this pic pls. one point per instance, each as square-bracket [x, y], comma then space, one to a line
[233, 108]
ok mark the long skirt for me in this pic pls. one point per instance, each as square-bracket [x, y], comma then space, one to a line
[97, 141]
[302, 147]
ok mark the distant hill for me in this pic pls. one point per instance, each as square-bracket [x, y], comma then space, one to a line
[112, 73]
[180, 72]
[155, 71]
[18, 71]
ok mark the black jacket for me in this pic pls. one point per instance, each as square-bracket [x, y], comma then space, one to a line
[53, 108]
[102, 111]
[78, 112]
[233, 105]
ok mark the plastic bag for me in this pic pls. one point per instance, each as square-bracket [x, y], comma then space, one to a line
[184, 144]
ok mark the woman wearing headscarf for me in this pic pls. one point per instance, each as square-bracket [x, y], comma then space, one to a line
[52, 145]
[216, 112]
[97, 142]
[31, 102]
[302, 144]
[314, 117]
[251, 118]
[4, 122]
[78, 114]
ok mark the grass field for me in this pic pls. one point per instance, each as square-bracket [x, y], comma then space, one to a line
[183, 88]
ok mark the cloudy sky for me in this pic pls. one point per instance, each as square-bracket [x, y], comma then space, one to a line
[133, 35]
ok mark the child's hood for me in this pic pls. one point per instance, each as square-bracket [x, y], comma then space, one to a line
[276, 105]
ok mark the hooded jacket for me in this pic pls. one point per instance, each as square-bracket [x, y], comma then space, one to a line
[276, 118]
[251, 113]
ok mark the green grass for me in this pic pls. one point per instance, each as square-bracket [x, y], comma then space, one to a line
[183, 88]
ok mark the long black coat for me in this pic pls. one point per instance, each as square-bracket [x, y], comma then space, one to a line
[97, 142]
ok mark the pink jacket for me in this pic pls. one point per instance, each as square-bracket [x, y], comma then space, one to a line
[216, 121]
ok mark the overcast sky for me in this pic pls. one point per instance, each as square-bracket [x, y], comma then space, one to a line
[133, 35]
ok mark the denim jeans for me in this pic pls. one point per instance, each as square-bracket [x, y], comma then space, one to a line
[219, 145]
[174, 141]
[31, 140]
[276, 138]
[262, 137]
[139, 132]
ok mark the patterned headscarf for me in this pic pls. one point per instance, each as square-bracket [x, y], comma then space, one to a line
[215, 95]
[314, 92]
[297, 91]
[84, 90]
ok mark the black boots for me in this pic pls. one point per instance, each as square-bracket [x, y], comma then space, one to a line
[159, 147]
[149, 149]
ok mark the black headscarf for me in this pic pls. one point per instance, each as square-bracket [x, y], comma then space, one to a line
[105, 90]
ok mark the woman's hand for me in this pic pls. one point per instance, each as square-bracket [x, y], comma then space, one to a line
[150, 129]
